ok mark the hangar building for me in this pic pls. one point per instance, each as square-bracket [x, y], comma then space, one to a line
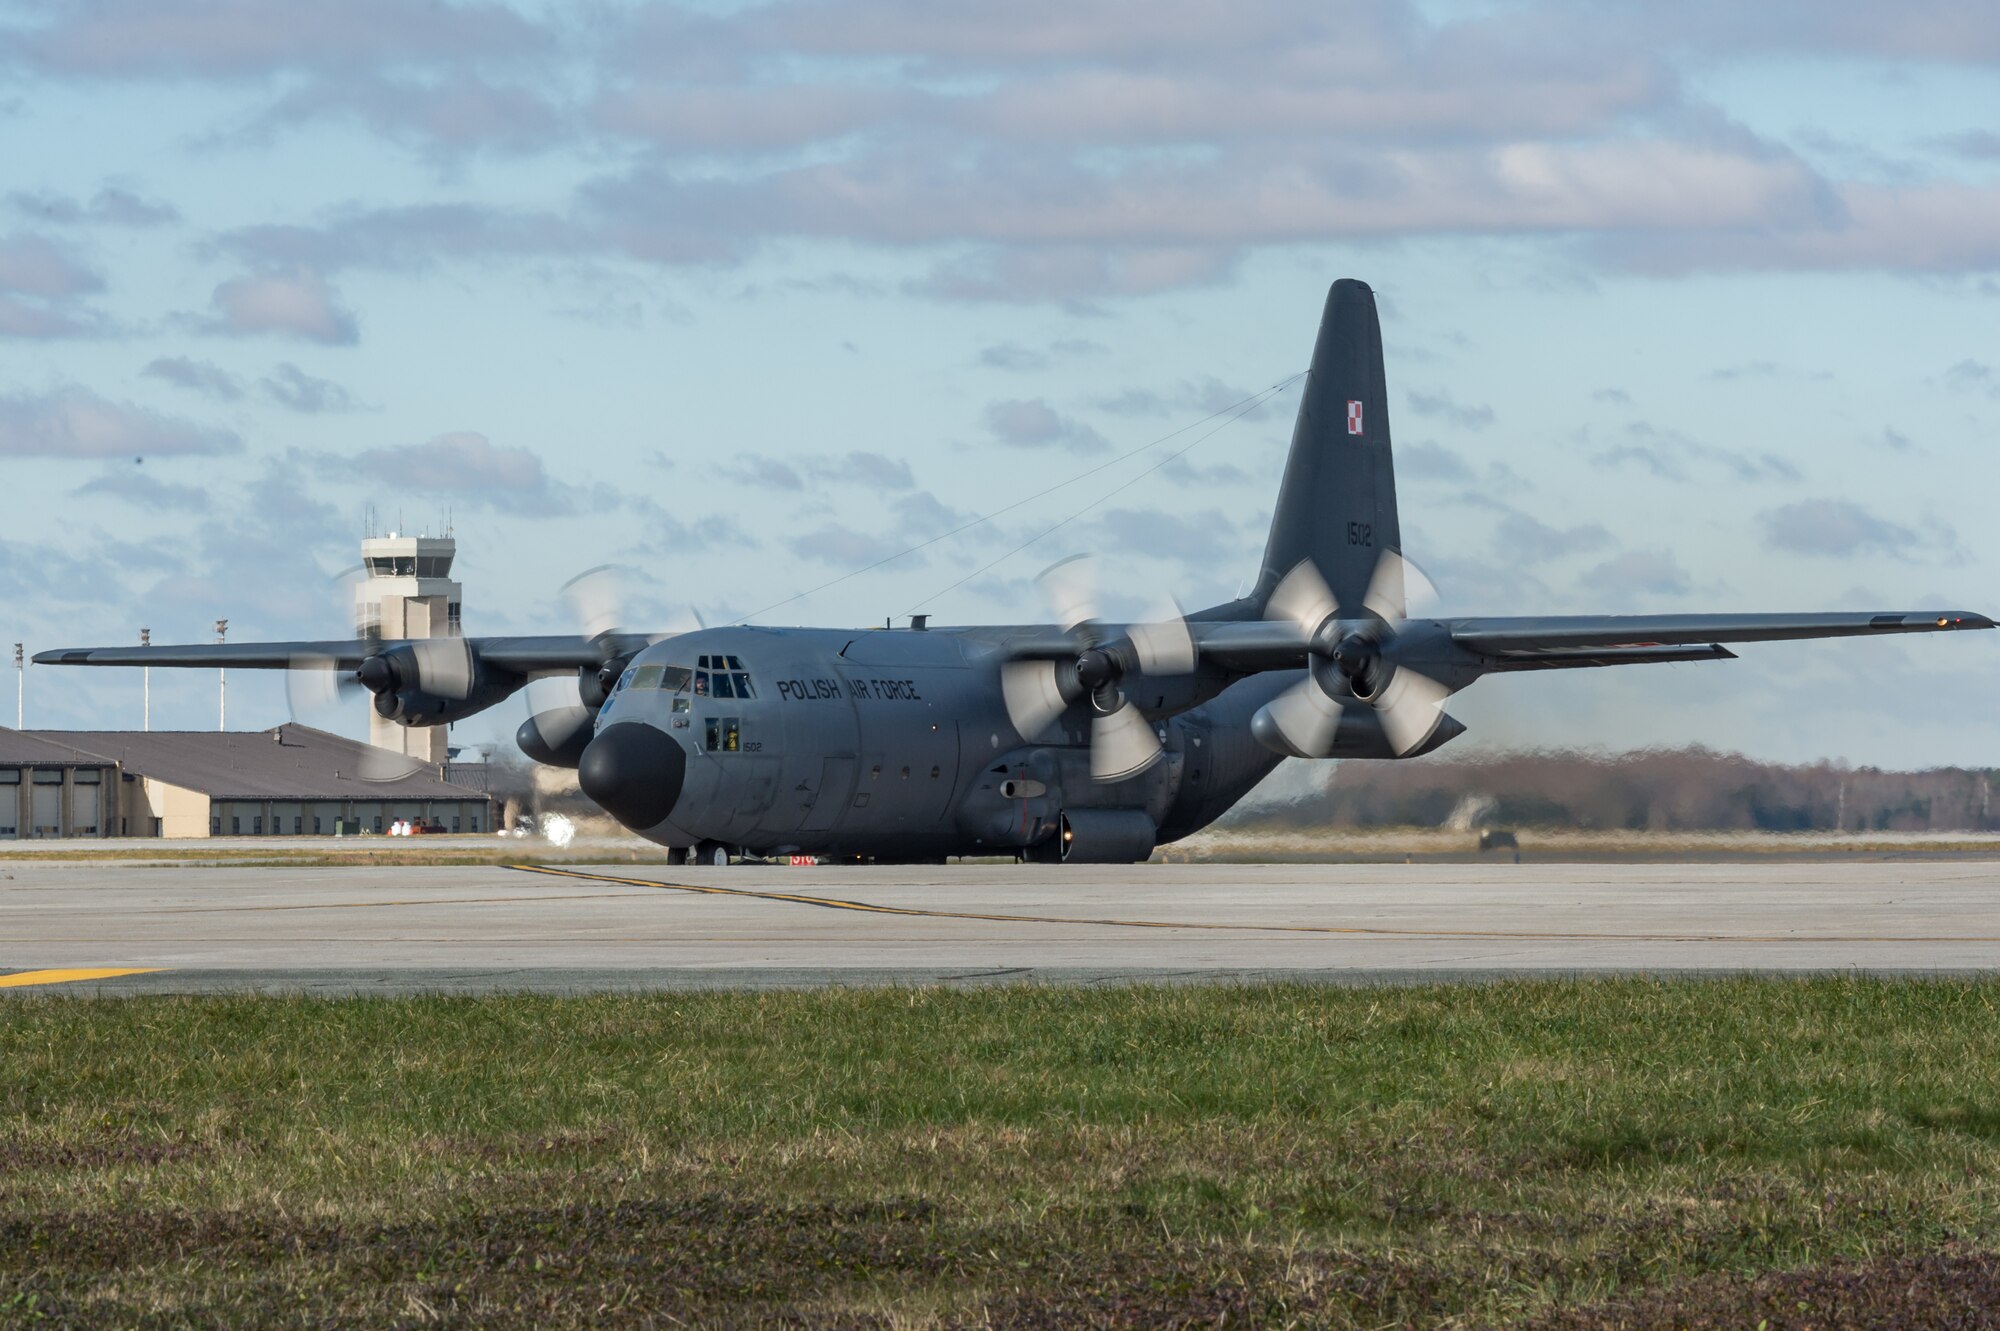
[289, 781]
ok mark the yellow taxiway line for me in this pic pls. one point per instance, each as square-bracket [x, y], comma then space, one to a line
[22, 979]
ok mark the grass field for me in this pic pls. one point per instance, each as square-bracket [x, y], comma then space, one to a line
[1565, 1155]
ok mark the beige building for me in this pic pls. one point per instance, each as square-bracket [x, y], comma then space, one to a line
[288, 781]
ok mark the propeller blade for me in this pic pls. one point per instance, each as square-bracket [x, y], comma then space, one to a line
[1411, 706]
[595, 601]
[317, 690]
[1164, 645]
[1308, 718]
[444, 666]
[1302, 597]
[1385, 594]
[378, 764]
[685, 620]
[1122, 744]
[1033, 697]
[1071, 589]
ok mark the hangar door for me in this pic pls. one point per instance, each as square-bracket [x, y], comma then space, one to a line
[85, 803]
[45, 806]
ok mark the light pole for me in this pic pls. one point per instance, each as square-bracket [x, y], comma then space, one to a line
[221, 681]
[20, 689]
[146, 640]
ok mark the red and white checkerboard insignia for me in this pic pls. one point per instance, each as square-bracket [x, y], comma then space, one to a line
[1353, 417]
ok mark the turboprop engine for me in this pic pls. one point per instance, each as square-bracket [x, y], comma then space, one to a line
[433, 682]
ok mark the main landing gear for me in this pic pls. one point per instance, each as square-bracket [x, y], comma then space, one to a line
[709, 855]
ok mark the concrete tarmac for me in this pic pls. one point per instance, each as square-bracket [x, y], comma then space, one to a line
[104, 928]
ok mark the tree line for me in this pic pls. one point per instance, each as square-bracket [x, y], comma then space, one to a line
[1660, 790]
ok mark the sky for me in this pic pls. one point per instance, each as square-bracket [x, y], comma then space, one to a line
[1689, 307]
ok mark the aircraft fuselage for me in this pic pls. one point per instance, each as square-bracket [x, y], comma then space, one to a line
[897, 744]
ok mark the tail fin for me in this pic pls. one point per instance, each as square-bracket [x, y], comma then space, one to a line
[1337, 504]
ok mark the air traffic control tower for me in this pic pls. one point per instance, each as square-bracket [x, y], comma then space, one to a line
[407, 593]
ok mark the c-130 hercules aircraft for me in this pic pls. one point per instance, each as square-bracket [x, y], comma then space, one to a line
[1081, 741]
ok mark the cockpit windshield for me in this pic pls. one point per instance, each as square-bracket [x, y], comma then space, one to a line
[722, 677]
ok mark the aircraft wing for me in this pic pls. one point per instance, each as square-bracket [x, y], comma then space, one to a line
[1559, 641]
[518, 655]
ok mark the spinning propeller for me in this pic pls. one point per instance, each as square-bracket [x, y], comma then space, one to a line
[1354, 660]
[1090, 663]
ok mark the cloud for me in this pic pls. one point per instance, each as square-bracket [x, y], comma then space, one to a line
[765, 473]
[1971, 376]
[297, 304]
[1206, 538]
[35, 320]
[1205, 394]
[1937, 227]
[40, 289]
[1669, 455]
[1007, 356]
[74, 422]
[1431, 461]
[844, 547]
[35, 266]
[1638, 573]
[254, 38]
[110, 206]
[1835, 528]
[1066, 150]
[295, 390]
[923, 514]
[1441, 404]
[457, 111]
[875, 470]
[1033, 423]
[1528, 539]
[408, 237]
[136, 487]
[197, 376]
[470, 467]
[1012, 356]
[1981, 145]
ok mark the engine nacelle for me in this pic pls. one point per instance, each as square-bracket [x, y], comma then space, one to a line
[594, 683]
[433, 682]
[557, 737]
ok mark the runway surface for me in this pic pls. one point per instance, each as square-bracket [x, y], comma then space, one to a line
[109, 929]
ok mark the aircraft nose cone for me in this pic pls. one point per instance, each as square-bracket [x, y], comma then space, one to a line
[634, 773]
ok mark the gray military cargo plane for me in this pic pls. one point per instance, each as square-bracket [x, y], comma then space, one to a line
[1078, 741]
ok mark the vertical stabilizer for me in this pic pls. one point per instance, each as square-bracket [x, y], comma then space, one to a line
[1337, 505]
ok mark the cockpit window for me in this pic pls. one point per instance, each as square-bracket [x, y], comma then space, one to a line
[648, 677]
[675, 679]
[719, 676]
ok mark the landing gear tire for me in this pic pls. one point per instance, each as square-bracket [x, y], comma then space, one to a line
[677, 856]
[712, 855]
